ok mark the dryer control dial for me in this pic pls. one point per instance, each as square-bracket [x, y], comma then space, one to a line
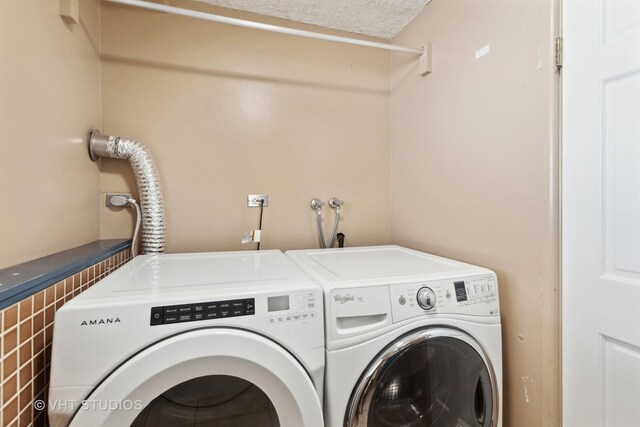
[426, 298]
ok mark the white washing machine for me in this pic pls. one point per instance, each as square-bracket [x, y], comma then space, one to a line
[412, 339]
[212, 339]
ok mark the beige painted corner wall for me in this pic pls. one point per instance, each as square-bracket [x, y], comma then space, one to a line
[474, 173]
[229, 111]
[49, 99]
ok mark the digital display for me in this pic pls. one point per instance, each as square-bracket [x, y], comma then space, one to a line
[278, 303]
[461, 291]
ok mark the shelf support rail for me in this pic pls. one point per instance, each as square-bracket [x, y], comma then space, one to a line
[424, 53]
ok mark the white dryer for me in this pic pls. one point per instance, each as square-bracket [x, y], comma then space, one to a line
[412, 339]
[212, 339]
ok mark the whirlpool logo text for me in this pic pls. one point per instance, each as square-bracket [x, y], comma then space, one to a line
[343, 298]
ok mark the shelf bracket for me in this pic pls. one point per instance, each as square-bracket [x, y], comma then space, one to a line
[70, 11]
[426, 60]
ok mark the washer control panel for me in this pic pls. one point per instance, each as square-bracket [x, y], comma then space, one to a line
[476, 296]
[202, 311]
[291, 308]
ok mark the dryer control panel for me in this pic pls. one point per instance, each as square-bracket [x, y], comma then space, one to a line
[476, 296]
[202, 311]
[291, 307]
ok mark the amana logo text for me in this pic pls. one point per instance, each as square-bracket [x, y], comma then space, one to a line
[100, 321]
[343, 298]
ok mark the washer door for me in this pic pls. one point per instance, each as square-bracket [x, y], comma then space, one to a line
[431, 377]
[209, 377]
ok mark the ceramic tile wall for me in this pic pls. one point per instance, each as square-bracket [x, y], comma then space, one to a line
[25, 344]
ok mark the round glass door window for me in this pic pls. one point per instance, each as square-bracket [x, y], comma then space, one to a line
[210, 401]
[436, 382]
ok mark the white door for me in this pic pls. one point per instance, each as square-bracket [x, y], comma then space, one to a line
[601, 213]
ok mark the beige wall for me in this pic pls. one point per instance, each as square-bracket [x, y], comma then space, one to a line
[229, 111]
[49, 99]
[474, 172]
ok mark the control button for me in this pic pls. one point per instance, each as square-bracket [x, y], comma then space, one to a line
[185, 317]
[280, 319]
[237, 304]
[224, 304]
[402, 300]
[198, 316]
[171, 310]
[305, 316]
[289, 318]
[185, 309]
[212, 315]
[426, 298]
[225, 313]
[272, 320]
[157, 314]
[448, 294]
[237, 312]
[211, 306]
[171, 318]
[198, 307]
[484, 288]
[249, 306]
[313, 315]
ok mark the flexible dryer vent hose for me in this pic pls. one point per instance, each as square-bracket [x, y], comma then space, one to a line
[147, 180]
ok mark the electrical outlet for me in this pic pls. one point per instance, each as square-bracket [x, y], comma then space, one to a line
[118, 200]
[253, 200]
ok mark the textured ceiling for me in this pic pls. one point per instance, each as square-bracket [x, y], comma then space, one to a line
[378, 18]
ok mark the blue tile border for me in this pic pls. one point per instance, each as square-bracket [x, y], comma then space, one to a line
[23, 280]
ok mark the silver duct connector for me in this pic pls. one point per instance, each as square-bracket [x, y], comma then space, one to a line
[147, 179]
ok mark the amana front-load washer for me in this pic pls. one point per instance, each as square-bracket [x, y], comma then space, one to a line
[412, 339]
[211, 339]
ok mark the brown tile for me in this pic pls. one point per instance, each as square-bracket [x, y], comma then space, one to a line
[38, 343]
[49, 295]
[59, 304]
[39, 383]
[60, 289]
[38, 322]
[26, 307]
[26, 397]
[100, 269]
[10, 412]
[92, 272]
[9, 389]
[26, 415]
[76, 292]
[38, 301]
[10, 316]
[25, 374]
[25, 352]
[77, 280]
[9, 364]
[39, 419]
[48, 335]
[84, 278]
[25, 330]
[49, 314]
[10, 340]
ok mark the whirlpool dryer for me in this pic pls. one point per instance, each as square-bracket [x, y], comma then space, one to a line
[412, 339]
[212, 339]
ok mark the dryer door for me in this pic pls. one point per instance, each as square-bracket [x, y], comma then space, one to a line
[209, 377]
[431, 377]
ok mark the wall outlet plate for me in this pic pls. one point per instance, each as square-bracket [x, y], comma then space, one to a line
[253, 200]
[111, 199]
